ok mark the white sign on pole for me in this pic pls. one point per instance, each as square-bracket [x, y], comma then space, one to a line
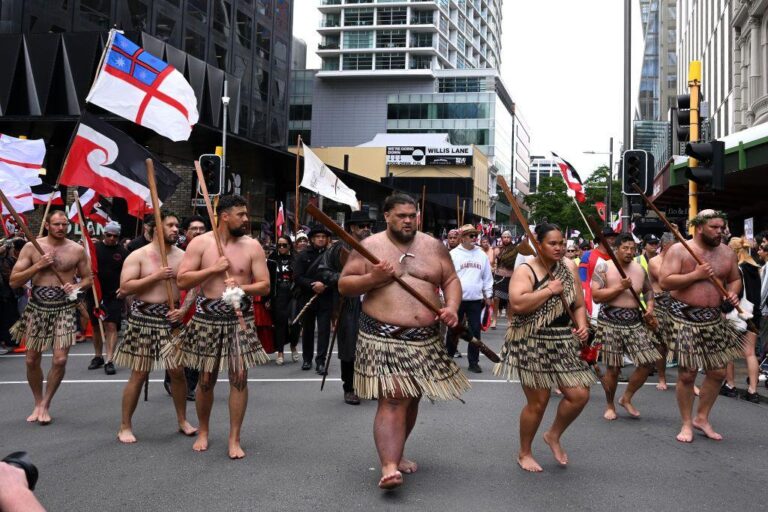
[749, 228]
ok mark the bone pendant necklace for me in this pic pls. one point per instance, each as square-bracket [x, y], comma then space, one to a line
[405, 254]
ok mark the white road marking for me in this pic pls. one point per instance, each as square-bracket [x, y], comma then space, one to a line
[318, 379]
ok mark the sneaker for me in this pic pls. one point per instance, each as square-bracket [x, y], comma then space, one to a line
[351, 398]
[728, 391]
[279, 361]
[109, 368]
[295, 355]
[475, 368]
[4, 350]
[96, 362]
[751, 397]
[457, 355]
[190, 396]
[622, 378]
[306, 365]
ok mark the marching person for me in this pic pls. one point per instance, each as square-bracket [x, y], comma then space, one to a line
[542, 346]
[110, 256]
[660, 306]
[49, 320]
[504, 260]
[214, 340]
[400, 356]
[474, 272]
[359, 226]
[700, 336]
[150, 324]
[311, 283]
[621, 326]
[281, 298]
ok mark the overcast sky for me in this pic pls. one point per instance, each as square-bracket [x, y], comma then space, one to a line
[562, 63]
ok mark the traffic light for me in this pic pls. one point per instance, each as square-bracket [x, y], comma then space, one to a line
[212, 172]
[710, 168]
[636, 166]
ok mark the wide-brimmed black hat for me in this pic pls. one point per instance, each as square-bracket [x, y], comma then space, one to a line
[608, 231]
[358, 217]
[318, 229]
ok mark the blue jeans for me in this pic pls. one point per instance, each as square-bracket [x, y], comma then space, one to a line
[472, 310]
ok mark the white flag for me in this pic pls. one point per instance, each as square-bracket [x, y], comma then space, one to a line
[19, 195]
[320, 179]
[21, 160]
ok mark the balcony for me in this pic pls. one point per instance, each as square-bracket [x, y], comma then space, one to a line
[331, 2]
[328, 46]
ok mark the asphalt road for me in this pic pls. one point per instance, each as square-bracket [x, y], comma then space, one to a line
[307, 450]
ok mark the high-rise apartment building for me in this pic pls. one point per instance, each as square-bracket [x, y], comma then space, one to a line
[541, 167]
[392, 36]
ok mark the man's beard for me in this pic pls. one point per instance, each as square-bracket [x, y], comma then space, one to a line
[237, 232]
[711, 241]
[363, 234]
[170, 240]
[402, 237]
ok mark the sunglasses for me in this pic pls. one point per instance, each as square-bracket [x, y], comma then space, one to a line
[109, 235]
[472, 236]
[282, 245]
[363, 226]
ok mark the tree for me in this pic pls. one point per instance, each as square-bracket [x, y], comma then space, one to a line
[551, 202]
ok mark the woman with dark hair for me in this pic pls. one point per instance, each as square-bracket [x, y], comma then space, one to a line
[542, 346]
[280, 264]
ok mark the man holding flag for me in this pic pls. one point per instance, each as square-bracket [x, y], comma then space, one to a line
[49, 319]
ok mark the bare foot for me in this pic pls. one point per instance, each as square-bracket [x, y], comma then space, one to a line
[557, 450]
[235, 451]
[407, 466]
[125, 435]
[662, 385]
[201, 443]
[696, 390]
[32, 418]
[631, 409]
[610, 413]
[707, 430]
[391, 480]
[685, 435]
[44, 418]
[528, 463]
[187, 429]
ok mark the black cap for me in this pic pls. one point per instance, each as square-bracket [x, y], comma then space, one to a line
[650, 239]
[358, 217]
[318, 229]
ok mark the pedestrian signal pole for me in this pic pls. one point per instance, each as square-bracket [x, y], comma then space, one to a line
[694, 88]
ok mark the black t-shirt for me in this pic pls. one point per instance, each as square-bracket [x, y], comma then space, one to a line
[137, 243]
[110, 260]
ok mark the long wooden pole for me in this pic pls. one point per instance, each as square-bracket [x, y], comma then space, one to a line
[680, 239]
[83, 234]
[532, 239]
[423, 205]
[463, 210]
[159, 231]
[458, 213]
[296, 201]
[354, 244]
[58, 178]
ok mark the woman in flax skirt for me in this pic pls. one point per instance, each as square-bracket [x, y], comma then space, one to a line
[280, 265]
[542, 344]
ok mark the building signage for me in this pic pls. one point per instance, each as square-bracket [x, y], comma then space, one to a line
[425, 155]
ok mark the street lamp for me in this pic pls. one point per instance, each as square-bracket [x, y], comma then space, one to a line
[610, 177]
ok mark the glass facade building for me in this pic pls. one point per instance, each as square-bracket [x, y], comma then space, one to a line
[360, 36]
[249, 40]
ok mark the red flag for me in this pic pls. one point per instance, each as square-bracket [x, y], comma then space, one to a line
[600, 207]
[280, 221]
[572, 179]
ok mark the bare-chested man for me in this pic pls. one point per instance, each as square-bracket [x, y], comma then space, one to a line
[399, 353]
[150, 324]
[620, 324]
[49, 319]
[219, 337]
[503, 265]
[700, 336]
[661, 300]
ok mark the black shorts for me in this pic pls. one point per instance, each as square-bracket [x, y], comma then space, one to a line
[113, 308]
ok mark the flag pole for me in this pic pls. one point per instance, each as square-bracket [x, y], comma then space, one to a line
[458, 213]
[83, 234]
[296, 210]
[159, 231]
[463, 210]
[276, 224]
[423, 205]
[58, 179]
[582, 216]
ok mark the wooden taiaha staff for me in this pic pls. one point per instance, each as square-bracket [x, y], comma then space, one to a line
[336, 322]
[532, 240]
[83, 234]
[305, 308]
[296, 201]
[462, 331]
[672, 228]
[159, 231]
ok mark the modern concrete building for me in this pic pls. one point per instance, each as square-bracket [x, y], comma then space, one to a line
[705, 32]
[750, 63]
[364, 36]
[541, 167]
[299, 54]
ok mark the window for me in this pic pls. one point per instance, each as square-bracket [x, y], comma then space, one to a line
[390, 61]
[220, 56]
[460, 85]
[390, 39]
[198, 9]
[443, 49]
[358, 39]
[264, 7]
[281, 54]
[358, 61]
[194, 44]
[392, 16]
[422, 18]
[331, 20]
[139, 14]
[244, 29]
[330, 63]
[96, 12]
[300, 113]
[293, 136]
[421, 62]
[358, 17]
[165, 28]
[329, 42]
[222, 16]
[261, 83]
[262, 41]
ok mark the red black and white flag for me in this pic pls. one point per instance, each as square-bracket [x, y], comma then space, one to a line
[108, 161]
[43, 192]
[600, 207]
[280, 222]
[88, 198]
[572, 179]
